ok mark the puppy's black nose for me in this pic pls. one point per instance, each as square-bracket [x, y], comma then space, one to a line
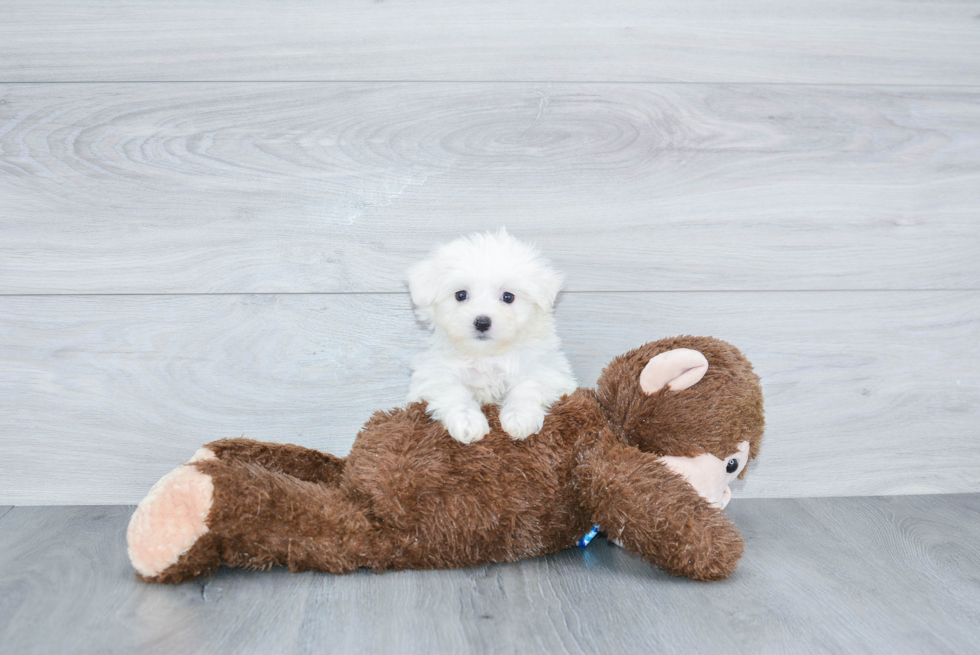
[482, 323]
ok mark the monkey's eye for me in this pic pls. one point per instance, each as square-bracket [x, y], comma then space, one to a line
[508, 297]
[460, 296]
[732, 465]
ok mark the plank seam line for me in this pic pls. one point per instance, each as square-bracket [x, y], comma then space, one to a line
[914, 494]
[632, 82]
[405, 293]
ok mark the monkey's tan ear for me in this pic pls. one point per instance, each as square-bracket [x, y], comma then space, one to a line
[676, 369]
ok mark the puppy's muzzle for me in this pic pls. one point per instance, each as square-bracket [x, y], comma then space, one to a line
[481, 323]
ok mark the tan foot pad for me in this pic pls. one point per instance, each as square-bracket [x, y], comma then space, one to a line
[170, 520]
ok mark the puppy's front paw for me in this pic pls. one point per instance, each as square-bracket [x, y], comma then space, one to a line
[467, 425]
[521, 422]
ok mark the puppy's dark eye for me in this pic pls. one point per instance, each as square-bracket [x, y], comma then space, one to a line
[460, 296]
[508, 297]
[732, 465]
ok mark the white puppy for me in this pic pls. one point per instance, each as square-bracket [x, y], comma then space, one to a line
[488, 299]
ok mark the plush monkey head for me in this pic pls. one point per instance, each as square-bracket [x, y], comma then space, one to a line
[693, 401]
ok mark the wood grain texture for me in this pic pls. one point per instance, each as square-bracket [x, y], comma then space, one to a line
[833, 575]
[190, 188]
[601, 40]
[867, 393]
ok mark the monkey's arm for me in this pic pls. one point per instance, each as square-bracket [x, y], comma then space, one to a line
[657, 514]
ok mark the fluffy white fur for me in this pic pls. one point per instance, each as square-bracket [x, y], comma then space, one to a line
[516, 363]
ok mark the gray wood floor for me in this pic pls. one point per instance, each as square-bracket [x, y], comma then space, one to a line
[829, 575]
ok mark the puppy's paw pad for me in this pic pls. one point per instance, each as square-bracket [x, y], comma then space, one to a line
[467, 426]
[521, 423]
[170, 520]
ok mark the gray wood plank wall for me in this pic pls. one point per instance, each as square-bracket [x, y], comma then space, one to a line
[875, 42]
[191, 188]
[206, 212]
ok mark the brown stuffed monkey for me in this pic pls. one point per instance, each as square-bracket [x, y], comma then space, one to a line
[646, 457]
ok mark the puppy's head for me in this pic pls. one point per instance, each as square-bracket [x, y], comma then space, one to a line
[485, 292]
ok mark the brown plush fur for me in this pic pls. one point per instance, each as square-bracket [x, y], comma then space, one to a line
[714, 415]
[410, 496]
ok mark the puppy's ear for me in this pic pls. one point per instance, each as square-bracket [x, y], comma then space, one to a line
[544, 290]
[424, 282]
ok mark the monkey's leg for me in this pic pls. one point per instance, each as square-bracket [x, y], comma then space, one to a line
[212, 512]
[297, 461]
